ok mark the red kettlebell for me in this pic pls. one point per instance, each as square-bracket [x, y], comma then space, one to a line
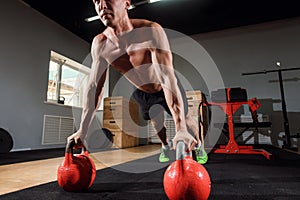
[77, 171]
[186, 179]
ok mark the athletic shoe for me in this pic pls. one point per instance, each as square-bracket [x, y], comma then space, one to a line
[201, 155]
[164, 155]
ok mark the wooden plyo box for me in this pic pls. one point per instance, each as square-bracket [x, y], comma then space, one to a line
[120, 108]
[124, 140]
[193, 107]
[121, 117]
[194, 95]
[126, 125]
[196, 98]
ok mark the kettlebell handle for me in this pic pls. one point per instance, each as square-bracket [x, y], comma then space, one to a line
[181, 151]
[70, 146]
[69, 152]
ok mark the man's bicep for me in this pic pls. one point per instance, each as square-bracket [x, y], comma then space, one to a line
[163, 68]
[99, 64]
[98, 72]
[159, 37]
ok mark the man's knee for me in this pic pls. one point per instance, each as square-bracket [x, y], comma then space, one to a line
[158, 125]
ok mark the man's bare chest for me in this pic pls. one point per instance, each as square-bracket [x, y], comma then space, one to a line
[126, 57]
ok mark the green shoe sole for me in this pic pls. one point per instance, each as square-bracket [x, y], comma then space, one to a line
[163, 158]
[202, 160]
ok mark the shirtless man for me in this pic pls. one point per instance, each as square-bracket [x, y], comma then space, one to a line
[140, 51]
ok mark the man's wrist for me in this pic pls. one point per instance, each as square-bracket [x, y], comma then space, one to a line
[182, 131]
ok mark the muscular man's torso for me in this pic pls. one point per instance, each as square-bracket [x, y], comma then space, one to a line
[131, 55]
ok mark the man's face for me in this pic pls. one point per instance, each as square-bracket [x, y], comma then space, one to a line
[111, 11]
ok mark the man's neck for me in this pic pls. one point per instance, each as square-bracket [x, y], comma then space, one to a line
[124, 26]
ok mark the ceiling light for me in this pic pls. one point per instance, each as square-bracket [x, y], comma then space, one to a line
[153, 1]
[278, 63]
[131, 7]
[92, 18]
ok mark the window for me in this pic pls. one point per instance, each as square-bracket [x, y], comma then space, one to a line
[67, 80]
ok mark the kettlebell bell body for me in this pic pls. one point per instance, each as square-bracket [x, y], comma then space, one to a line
[185, 179]
[76, 172]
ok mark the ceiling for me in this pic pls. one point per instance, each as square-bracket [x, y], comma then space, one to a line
[186, 16]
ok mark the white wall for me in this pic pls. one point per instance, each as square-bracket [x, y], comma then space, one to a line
[256, 48]
[27, 37]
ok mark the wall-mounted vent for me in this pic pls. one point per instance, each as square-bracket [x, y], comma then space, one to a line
[57, 129]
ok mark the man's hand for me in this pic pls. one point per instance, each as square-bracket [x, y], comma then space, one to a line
[187, 138]
[77, 137]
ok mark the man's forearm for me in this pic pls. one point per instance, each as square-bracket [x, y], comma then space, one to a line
[89, 108]
[176, 106]
[173, 95]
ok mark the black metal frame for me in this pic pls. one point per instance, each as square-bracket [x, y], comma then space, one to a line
[285, 116]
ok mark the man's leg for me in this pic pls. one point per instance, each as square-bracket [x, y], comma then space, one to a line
[158, 125]
[151, 109]
[193, 127]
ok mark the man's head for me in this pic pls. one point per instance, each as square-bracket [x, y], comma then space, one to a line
[111, 11]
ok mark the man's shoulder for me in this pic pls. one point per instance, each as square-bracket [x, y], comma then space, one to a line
[99, 38]
[140, 23]
[98, 43]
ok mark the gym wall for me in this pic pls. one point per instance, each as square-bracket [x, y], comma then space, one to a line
[257, 48]
[27, 37]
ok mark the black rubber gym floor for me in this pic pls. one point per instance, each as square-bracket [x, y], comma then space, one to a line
[232, 176]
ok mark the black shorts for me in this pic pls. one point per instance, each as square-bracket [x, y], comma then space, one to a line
[147, 101]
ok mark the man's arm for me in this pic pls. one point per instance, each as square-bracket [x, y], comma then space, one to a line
[163, 65]
[94, 92]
